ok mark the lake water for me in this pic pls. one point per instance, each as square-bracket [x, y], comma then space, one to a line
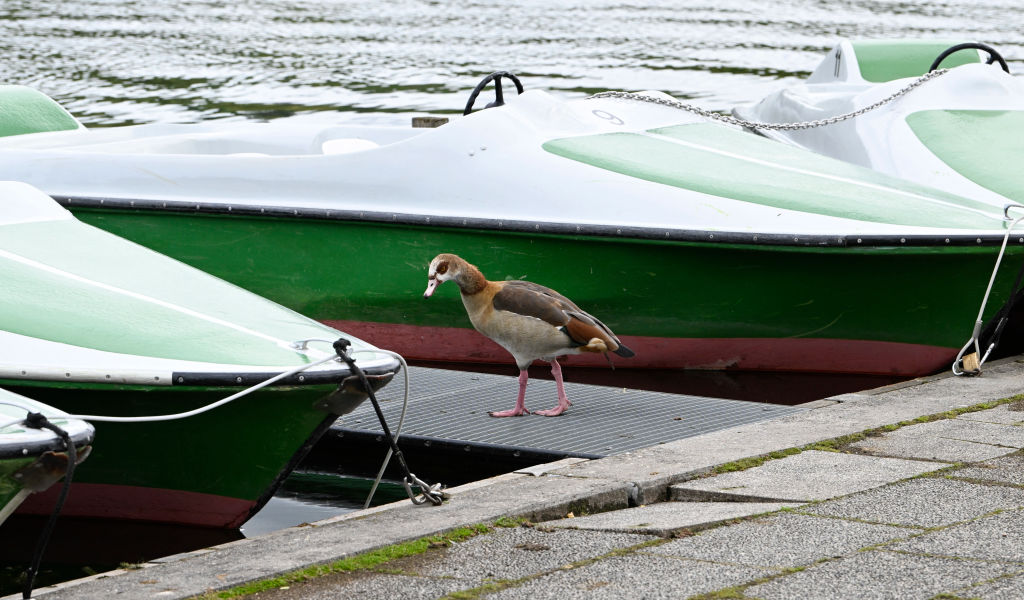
[129, 61]
[117, 62]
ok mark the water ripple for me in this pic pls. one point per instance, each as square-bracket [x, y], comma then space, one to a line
[133, 61]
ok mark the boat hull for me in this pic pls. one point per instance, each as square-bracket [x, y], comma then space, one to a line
[94, 325]
[688, 300]
[204, 471]
[816, 355]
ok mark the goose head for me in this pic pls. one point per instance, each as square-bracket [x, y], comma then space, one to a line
[443, 268]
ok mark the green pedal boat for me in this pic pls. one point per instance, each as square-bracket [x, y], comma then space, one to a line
[33, 458]
[701, 245]
[92, 324]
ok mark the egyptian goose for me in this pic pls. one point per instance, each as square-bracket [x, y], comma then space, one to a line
[529, 320]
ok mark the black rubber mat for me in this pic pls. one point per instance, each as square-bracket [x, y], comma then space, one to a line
[451, 407]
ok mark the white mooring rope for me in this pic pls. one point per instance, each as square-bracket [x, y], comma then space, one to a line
[213, 405]
[974, 366]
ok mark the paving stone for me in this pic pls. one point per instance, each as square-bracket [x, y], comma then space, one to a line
[1008, 469]
[811, 475]
[520, 551]
[968, 430]
[904, 443]
[545, 468]
[1010, 414]
[651, 470]
[1004, 588]
[997, 537]
[879, 575]
[781, 541]
[925, 502]
[666, 518]
[633, 576]
[371, 585]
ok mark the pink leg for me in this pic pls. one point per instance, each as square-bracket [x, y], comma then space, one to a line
[520, 408]
[563, 400]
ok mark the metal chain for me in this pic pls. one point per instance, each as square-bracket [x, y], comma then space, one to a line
[776, 126]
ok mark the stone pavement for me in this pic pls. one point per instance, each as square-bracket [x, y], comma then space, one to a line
[884, 508]
[821, 525]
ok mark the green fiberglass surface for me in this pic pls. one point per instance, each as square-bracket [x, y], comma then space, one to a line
[765, 172]
[71, 283]
[637, 287]
[981, 145]
[24, 110]
[886, 60]
[236, 450]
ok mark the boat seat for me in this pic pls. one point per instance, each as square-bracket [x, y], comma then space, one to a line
[347, 145]
[888, 60]
[25, 110]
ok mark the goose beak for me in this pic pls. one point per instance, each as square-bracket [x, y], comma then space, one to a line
[431, 286]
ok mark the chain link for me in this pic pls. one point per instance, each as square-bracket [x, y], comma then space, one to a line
[672, 103]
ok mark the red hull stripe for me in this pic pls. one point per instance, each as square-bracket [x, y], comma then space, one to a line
[107, 501]
[818, 355]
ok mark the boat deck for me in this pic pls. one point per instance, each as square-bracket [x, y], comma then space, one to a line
[447, 428]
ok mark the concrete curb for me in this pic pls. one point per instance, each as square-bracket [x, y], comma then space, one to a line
[652, 470]
[638, 477]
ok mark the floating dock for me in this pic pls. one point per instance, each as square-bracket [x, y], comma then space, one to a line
[448, 434]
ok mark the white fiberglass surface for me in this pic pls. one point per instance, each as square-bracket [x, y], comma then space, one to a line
[22, 203]
[448, 171]
[229, 139]
[23, 357]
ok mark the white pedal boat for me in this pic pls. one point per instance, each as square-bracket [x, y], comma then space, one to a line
[702, 246]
